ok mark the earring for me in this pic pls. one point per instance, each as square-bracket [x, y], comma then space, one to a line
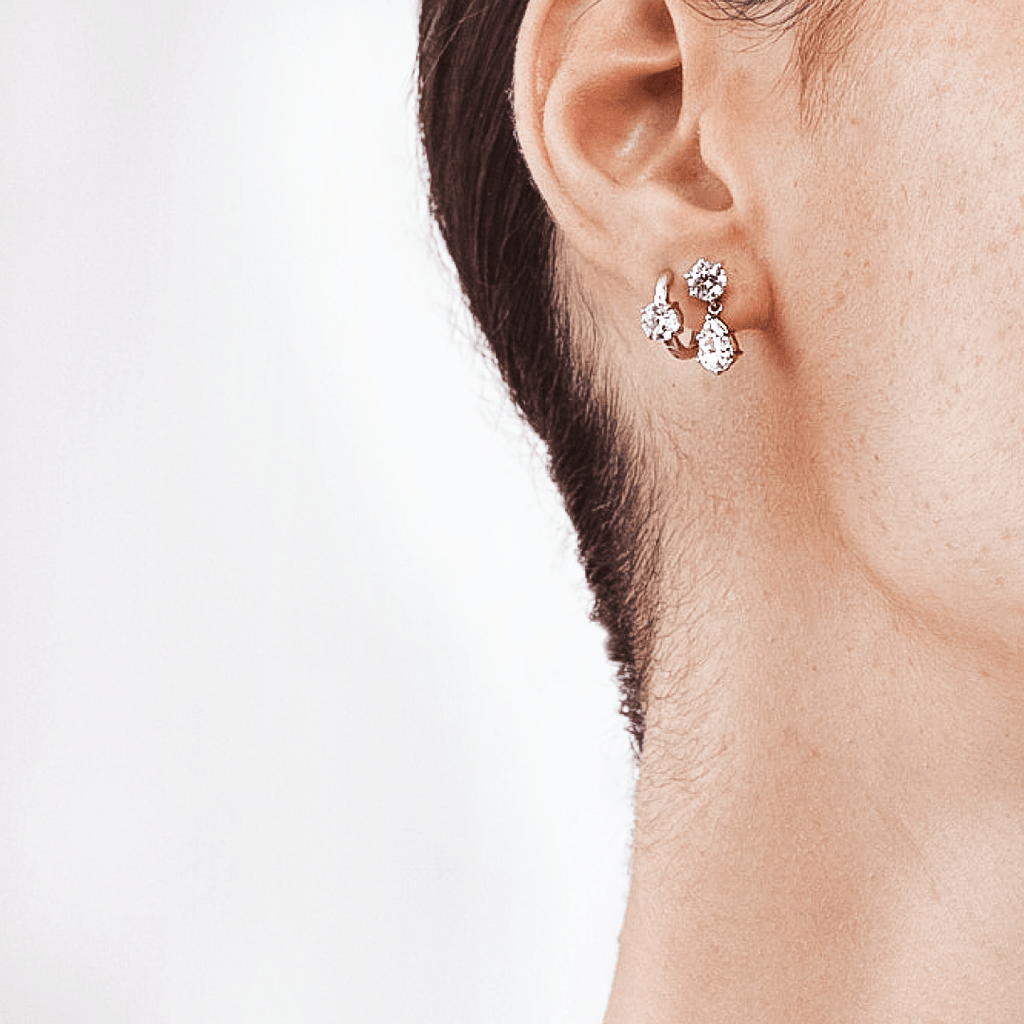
[661, 320]
[715, 344]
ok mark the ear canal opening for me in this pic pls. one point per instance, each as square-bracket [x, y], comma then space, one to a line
[697, 183]
[664, 94]
[666, 85]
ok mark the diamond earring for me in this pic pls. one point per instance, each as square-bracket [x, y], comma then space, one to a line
[661, 320]
[716, 350]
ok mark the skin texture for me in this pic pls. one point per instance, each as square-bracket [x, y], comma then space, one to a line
[830, 810]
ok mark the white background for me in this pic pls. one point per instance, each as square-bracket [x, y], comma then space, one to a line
[301, 716]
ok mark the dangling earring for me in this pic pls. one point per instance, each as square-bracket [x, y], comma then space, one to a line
[716, 350]
[661, 320]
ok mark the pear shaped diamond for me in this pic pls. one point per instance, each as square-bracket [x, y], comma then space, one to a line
[715, 349]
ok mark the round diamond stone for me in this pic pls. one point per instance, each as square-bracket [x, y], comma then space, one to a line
[715, 351]
[660, 322]
[706, 281]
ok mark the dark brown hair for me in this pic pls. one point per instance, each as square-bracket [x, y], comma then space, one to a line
[503, 242]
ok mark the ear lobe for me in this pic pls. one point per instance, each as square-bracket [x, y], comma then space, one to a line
[609, 99]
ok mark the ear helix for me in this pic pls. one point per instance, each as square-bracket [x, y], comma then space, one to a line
[661, 320]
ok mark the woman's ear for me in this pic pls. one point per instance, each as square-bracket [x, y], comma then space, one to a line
[624, 121]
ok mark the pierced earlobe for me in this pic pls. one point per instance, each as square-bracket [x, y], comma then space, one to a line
[661, 320]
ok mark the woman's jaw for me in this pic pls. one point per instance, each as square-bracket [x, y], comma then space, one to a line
[830, 810]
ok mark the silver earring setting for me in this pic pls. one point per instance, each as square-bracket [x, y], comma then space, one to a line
[662, 321]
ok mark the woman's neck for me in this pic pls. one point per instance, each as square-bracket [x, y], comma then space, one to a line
[830, 813]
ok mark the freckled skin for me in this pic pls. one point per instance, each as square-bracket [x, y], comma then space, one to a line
[830, 807]
[917, 368]
[856, 854]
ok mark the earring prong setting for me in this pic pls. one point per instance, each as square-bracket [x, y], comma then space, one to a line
[661, 320]
[706, 281]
